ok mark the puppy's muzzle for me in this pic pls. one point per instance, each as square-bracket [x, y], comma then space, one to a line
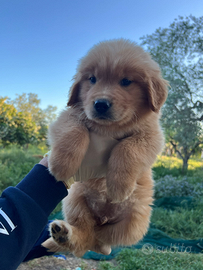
[102, 107]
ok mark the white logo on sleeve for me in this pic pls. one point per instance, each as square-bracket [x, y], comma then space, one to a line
[3, 230]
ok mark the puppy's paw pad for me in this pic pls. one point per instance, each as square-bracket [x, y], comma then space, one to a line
[55, 228]
[59, 232]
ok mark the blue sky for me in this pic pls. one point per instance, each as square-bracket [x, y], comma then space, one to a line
[42, 40]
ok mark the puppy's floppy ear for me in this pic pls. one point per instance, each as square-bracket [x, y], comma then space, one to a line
[157, 89]
[74, 91]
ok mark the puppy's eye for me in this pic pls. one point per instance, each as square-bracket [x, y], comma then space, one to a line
[93, 79]
[125, 82]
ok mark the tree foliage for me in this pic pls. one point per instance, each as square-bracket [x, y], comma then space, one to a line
[7, 122]
[22, 121]
[179, 51]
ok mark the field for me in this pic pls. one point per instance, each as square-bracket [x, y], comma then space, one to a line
[185, 223]
[15, 163]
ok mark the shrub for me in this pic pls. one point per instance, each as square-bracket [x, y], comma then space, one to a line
[169, 186]
[199, 189]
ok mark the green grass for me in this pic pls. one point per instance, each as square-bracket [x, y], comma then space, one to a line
[137, 260]
[173, 166]
[180, 223]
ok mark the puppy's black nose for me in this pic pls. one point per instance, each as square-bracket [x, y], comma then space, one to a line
[102, 105]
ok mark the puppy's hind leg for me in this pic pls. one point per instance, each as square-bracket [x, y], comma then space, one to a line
[69, 238]
[52, 245]
[127, 231]
[59, 241]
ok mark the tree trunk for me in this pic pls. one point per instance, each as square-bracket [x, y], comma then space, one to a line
[25, 146]
[185, 164]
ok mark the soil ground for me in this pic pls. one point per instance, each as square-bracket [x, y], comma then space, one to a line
[53, 263]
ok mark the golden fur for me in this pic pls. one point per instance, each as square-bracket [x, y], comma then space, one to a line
[110, 155]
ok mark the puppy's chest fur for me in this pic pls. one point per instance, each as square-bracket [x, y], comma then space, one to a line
[94, 164]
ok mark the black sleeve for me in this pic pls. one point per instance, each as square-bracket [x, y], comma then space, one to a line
[24, 212]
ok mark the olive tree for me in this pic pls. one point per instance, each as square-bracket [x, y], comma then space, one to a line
[179, 51]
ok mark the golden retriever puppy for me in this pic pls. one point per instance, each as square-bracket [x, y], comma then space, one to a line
[107, 140]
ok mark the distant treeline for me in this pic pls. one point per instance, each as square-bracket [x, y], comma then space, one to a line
[22, 121]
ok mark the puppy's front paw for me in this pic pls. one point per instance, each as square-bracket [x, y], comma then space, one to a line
[60, 166]
[67, 155]
[116, 198]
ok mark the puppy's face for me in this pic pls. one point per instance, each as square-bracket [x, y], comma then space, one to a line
[118, 82]
[112, 96]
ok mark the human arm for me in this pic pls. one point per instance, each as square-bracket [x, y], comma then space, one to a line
[24, 212]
